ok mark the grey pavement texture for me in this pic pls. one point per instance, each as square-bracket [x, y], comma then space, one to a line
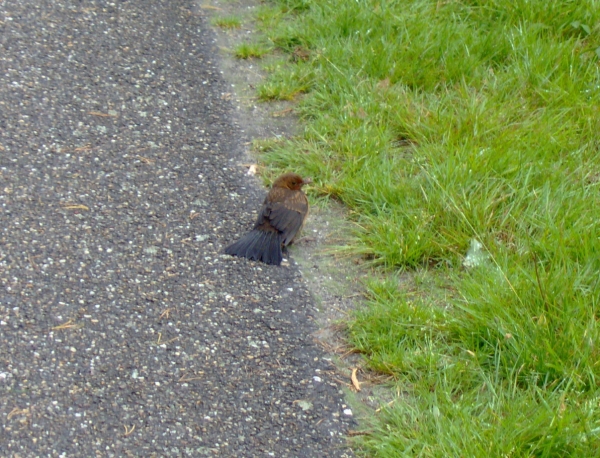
[124, 330]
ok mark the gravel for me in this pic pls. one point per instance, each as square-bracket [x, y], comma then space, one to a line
[124, 330]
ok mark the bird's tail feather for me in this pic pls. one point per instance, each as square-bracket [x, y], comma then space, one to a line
[258, 245]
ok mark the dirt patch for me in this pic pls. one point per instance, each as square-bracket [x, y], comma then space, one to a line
[258, 120]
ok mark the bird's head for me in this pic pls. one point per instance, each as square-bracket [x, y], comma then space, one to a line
[291, 181]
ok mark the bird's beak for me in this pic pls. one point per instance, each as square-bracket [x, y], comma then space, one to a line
[307, 180]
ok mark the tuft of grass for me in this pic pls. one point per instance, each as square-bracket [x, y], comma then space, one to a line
[440, 123]
[288, 85]
[227, 22]
[251, 50]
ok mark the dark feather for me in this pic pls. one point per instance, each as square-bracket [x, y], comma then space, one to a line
[258, 245]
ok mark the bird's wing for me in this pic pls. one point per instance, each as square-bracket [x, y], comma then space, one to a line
[285, 210]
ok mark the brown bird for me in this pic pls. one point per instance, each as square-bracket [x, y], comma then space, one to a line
[282, 215]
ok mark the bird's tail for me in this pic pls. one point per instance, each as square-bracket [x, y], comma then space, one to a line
[258, 245]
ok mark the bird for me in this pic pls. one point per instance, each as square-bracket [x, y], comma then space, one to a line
[281, 217]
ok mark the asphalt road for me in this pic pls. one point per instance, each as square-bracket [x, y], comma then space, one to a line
[124, 330]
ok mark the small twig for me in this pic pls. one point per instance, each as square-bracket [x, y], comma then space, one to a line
[17, 411]
[128, 431]
[341, 382]
[210, 7]
[325, 345]
[68, 324]
[350, 352]
[337, 309]
[182, 379]
[75, 207]
[353, 433]
[86, 147]
[103, 115]
[389, 404]
[145, 160]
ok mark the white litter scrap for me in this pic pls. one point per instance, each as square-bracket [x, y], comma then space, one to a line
[476, 255]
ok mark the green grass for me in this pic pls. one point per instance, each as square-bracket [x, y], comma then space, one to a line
[437, 123]
[227, 22]
[251, 50]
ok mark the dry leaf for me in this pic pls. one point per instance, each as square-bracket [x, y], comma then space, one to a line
[384, 83]
[355, 381]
